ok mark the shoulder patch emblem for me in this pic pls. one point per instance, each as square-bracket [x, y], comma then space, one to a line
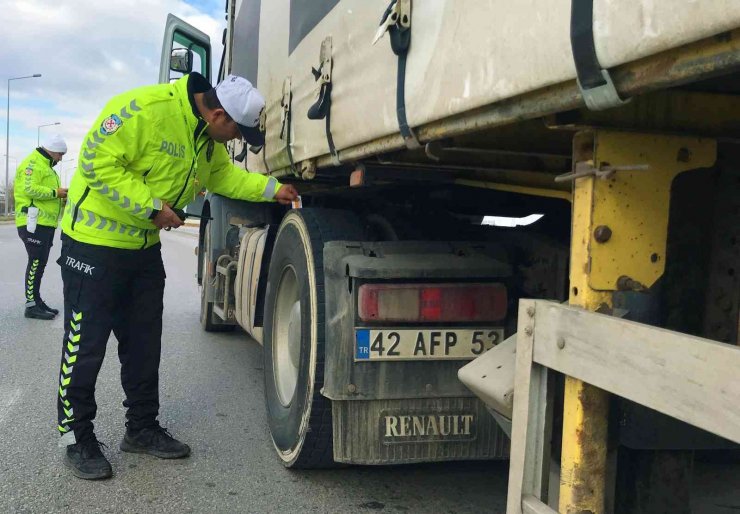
[29, 171]
[209, 151]
[110, 125]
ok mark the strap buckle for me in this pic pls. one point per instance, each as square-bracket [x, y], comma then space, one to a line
[320, 109]
[602, 97]
[389, 19]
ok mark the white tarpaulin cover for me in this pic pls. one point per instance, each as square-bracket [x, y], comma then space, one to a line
[464, 54]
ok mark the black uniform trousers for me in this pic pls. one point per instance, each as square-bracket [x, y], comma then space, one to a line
[109, 290]
[38, 245]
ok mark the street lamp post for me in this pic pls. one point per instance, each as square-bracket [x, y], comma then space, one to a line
[6, 198]
[7, 131]
[38, 131]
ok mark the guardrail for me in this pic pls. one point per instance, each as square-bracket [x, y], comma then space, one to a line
[689, 378]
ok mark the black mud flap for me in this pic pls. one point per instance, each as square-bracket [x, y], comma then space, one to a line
[401, 412]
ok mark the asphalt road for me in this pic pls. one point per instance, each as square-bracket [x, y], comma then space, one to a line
[211, 395]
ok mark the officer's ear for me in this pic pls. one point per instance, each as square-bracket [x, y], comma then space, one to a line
[220, 114]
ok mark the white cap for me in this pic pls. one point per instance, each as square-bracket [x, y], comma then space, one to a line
[55, 143]
[241, 100]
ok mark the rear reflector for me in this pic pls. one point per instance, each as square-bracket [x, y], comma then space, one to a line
[357, 178]
[432, 302]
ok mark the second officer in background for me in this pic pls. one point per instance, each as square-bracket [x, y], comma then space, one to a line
[38, 204]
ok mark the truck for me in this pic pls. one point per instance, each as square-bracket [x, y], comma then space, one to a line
[457, 159]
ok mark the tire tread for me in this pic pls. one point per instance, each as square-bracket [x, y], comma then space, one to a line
[324, 225]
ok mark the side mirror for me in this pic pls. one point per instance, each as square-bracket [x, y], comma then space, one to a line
[181, 60]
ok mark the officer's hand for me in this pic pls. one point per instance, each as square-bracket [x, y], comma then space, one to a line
[286, 194]
[62, 192]
[167, 219]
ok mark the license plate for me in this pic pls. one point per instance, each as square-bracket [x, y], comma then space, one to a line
[428, 344]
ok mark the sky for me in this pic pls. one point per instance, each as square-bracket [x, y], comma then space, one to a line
[87, 51]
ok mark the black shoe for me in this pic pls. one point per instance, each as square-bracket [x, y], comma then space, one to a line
[47, 308]
[155, 441]
[38, 312]
[86, 461]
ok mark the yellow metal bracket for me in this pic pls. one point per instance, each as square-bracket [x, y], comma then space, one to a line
[619, 240]
[630, 208]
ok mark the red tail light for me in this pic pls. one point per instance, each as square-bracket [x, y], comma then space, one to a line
[432, 302]
[430, 307]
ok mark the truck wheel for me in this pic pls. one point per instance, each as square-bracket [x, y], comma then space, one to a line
[208, 319]
[294, 335]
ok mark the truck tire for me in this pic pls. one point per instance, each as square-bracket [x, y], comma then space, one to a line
[299, 417]
[208, 319]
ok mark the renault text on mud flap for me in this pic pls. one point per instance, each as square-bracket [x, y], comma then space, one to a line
[405, 428]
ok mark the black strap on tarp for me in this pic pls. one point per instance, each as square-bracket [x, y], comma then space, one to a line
[595, 83]
[582, 42]
[400, 44]
[322, 110]
[264, 157]
[401, 49]
[288, 121]
[329, 137]
[286, 131]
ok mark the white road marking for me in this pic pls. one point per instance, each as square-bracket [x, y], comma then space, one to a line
[7, 400]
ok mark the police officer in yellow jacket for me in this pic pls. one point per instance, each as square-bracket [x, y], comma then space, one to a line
[38, 204]
[140, 160]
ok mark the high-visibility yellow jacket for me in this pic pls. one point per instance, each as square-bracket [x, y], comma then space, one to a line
[36, 184]
[147, 147]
